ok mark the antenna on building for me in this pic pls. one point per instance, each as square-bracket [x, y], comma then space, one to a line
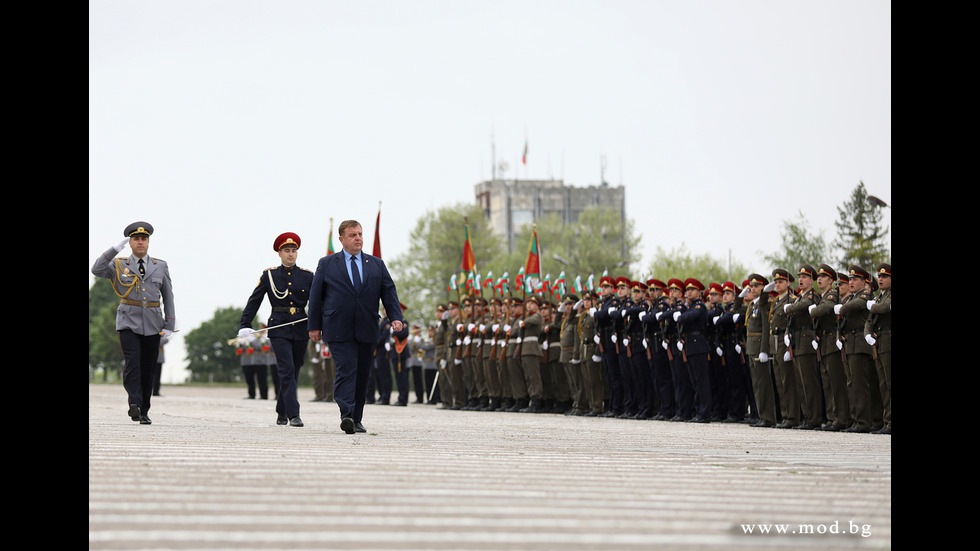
[602, 169]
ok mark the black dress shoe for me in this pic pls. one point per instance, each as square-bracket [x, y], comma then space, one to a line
[347, 424]
[784, 426]
[358, 427]
[295, 421]
[700, 420]
[761, 424]
[883, 430]
[282, 420]
[400, 404]
[134, 412]
[857, 429]
[144, 420]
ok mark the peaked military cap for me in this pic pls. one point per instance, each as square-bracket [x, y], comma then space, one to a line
[756, 279]
[827, 271]
[138, 228]
[675, 284]
[651, 283]
[284, 239]
[856, 271]
[806, 269]
[692, 283]
[780, 273]
[884, 269]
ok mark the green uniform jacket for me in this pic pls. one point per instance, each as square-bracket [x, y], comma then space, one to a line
[531, 335]
[854, 310]
[801, 326]
[881, 314]
[757, 326]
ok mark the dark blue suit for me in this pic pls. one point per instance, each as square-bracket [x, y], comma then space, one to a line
[349, 322]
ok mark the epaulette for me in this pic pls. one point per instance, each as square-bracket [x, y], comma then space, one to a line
[305, 269]
[271, 268]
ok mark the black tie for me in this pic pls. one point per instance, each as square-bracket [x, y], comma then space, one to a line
[355, 274]
[142, 269]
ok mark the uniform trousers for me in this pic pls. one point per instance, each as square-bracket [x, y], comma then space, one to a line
[140, 353]
[809, 377]
[382, 376]
[515, 374]
[257, 374]
[735, 374]
[834, 380]
[762, 389]
[532, 376]
[699, 369]
[663, 381]
[626, 378]
[683, 389]
[859, 367]
[290, 355]
[353, 361]
[614, 380]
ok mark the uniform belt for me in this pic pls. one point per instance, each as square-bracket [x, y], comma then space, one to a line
[289, 309]
[753, 333]
[532, 338]
[142, 303]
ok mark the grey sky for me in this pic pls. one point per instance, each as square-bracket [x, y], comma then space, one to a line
[226, 123]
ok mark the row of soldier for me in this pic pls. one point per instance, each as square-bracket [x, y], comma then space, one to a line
[814, 357]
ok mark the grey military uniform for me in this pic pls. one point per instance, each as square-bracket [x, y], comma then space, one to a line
[140, 296]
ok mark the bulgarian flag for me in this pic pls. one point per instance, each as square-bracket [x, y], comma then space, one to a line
[502, 284]
[519, 280]
[559, 284]
[577, 284]
[488, 281]
[524, 155]
[469, 261]
[330, 250]
[590, 283]
[470, 277]
[532, 268]
[452, 283]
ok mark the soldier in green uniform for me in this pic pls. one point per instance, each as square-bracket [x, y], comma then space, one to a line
[878, 334]
[859, 363]
[500, 354]
[515, 368]
[591, 358]
[439, 341]
[569, 358]
[802, 339]
[783, 368]
[454, 340]
[557, 381]
[530, 352]
[832, 372]
[488, 356]
[757, 346]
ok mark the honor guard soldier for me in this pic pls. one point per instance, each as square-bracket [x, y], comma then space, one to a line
[757, 345]
[730, 326]
[589, 351]
[530, 352]
[683, 389]
[644, 397]
[608, 345]
[782, 357]
[695, 347]
[622, 350]
[878, 334]
[720, 392]
[440, 338]
[832, 372]
[288, 288]
[515, 367]
[570, 358]
[657, 351]
[454, 338]
[858, 360]
[142, 283]
[801, 338]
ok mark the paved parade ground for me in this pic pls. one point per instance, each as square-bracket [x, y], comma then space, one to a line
[215, 472]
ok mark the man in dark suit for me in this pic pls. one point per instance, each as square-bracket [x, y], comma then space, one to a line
[343, 312]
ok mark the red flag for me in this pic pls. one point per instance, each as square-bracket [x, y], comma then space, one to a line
[330, 250]
[469, 261]
[532, 268]
[377, 235]
[524, 156]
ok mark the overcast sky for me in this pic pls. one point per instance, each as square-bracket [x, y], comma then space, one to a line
[226, 123]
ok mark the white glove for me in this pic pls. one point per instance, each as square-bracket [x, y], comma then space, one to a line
[744, 292]
[763, 357]
[596, 339]
[680, 345]
[738, 348]
[466, 340]
[470, 327]
[520, 323]
[592, 311]
[641, 315]
[770, 287]
[645, 344]
[810, 309]
[787, 356]
[613, 337]
[518, 341]
[577, 304]
[786, 339]
[388, 347]
[611, 309]
[622, 313]
[459, 327]
[715, 319]
[506, 328]
[837, 308]
[122, 245]
[458, 342]
[626, 342]
[167, 333]
[442, 363]
[502, 344]
[596, 359]
[676, 315]
[457, 362]
[814, 344]
[544, 345]
[871, 340]
[786, 308]
[417, 339]
[244, 332]
[871, 303]
[719, 352]
[495, 327]
[663, 344]
[658, 315]
[445, 315]
[840, 345]
[493, 342]
[735, 318]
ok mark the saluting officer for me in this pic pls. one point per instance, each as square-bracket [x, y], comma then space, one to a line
[141, 282]
[530, 352]
[786, 380]
[803, 339]
[288, 289]
[878, 333]
[757, 345]
[859, 363]
[832, 372]
[591, 360]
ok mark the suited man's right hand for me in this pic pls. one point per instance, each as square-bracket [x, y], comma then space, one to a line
[315, 335]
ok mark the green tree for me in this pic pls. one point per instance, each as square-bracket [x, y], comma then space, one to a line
[600, 240]
[210, 357]
[103, 340]
[800, 245]
[681, 264]
[860, 235]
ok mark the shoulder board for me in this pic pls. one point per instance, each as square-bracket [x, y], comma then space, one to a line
[305, 269]
[271, 268]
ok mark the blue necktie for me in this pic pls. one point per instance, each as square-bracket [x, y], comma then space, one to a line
[355, 274]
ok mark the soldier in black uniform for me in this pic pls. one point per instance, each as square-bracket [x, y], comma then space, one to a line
[643, 390]
[657, 350]
[720, 392]
[608, 346]
[730, 327]
[692, 318]
[288, 289]
[683, 389]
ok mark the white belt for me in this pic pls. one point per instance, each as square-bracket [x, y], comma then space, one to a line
[531, 338]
